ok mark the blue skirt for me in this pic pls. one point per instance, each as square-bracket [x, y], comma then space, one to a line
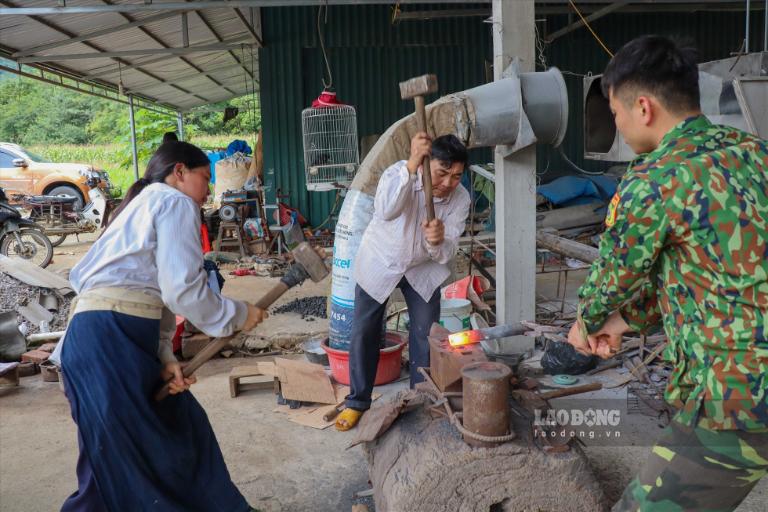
[137, 454]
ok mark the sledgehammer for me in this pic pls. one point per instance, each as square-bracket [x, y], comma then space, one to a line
[417, 88]
[307, 264]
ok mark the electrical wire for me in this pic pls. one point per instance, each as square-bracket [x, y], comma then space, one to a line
[589, 27]
[575, 167]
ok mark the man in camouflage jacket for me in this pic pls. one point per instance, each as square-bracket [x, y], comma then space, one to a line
[686, 244]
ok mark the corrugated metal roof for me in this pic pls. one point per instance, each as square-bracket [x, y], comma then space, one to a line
[179, 82]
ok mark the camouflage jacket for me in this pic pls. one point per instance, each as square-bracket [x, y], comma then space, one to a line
[686, 244]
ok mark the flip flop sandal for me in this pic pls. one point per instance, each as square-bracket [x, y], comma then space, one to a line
[348, 419]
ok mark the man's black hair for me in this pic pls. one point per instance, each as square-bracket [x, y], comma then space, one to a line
[449, 149]
[655, 65]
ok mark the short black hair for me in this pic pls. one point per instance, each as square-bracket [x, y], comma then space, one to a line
[658, 66]
[170, 137]
[448, 148]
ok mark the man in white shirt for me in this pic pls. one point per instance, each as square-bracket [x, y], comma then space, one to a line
[400, 249]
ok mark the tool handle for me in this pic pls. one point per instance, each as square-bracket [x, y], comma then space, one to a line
[219, 344]
[272, 295]
[200, 358]
[426, 173]
[333, 412]
[585, 388]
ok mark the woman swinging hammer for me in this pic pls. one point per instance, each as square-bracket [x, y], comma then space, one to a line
[135, 453]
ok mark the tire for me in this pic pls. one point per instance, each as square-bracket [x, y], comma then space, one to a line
[57, 240]
[36, 248]
[66, 190]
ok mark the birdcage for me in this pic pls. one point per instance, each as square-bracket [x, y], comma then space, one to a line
[331, 157]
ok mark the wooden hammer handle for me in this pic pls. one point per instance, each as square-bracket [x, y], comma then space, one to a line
[217, 345]
[584, 388]
[426, 173]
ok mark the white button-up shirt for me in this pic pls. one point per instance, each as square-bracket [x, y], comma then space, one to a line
[154, 246]
[393, 244]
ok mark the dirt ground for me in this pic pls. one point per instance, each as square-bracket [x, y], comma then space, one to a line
[278, 465]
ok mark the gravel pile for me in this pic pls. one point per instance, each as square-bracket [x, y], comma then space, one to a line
[14, 293]
[308, 307]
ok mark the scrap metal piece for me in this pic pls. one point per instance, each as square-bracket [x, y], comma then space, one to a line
[35, 313]
[48, 300]
[12, 342]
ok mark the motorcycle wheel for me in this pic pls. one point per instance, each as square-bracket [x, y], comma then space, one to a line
[57, 240]
[27, 244]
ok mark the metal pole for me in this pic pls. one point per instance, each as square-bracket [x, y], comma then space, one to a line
[765, 27]
[180, 123]
[133, 138]
[746, 37]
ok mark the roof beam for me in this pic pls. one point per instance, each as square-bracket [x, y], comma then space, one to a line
[249, 28]
[129, 53]
[580, 23]
[93, 46]
[93, 35]
[162, 43]
[90, 91]
[207, 4]
[215, 34]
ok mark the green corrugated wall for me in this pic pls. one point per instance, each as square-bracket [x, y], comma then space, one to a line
[369, 56]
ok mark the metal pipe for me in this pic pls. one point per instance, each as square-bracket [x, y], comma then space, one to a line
[746, 31]
[45, 336]
[180, 123]
[132, 122]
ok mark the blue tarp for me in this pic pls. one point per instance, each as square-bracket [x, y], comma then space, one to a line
[571, 190]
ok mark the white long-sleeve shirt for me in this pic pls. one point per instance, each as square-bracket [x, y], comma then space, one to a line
[393, 244]
[154, 246]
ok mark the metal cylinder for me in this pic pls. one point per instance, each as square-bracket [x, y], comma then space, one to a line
[486, 400]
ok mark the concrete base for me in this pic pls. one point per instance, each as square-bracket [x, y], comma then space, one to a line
[422, 464]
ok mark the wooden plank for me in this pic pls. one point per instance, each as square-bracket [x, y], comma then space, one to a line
[300, 380]
[572, 216]
[566, 247]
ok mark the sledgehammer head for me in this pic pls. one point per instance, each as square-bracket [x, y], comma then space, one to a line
[419, 86]
[307, 264]
[312, 262]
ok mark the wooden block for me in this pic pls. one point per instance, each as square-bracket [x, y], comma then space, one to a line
[446, 362]
[260, 375]
[300, 380]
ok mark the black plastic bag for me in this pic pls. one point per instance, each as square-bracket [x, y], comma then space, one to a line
[562, 358]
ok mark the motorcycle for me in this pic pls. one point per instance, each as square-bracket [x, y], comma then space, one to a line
[22, 238]
[59, 219]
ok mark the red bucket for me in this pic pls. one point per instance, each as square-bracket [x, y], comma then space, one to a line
[389, 360]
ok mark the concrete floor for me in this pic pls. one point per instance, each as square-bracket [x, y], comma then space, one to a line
[278, 465]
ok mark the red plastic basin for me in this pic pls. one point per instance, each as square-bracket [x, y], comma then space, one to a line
[389, 360]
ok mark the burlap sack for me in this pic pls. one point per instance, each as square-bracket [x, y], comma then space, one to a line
[231, 174]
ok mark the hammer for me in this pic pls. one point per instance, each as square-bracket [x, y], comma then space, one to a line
[417, 88]
[307, 264]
